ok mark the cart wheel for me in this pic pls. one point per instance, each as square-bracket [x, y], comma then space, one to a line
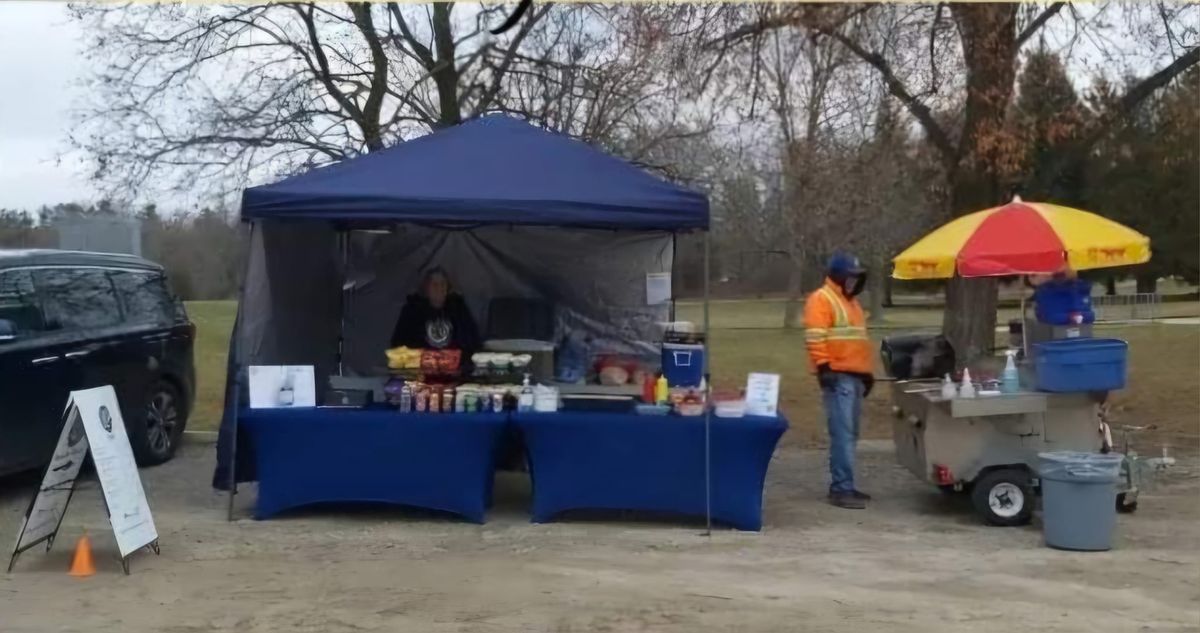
[1124, 506]
[1004, 497]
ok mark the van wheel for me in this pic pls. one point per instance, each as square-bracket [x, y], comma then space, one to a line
[1004, 497]
[163, 420]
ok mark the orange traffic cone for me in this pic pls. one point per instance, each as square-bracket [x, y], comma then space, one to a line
[81, 565]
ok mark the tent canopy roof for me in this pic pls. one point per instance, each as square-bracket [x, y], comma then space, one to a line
[492, 170]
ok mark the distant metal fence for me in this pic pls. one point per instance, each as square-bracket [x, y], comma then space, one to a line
[1135, 307]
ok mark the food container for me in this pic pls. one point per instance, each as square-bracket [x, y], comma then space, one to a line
[540, 353]
[690, 409]
[652, 409]
[403, 358]
[613, 375]
[729, 408]
[545, 399]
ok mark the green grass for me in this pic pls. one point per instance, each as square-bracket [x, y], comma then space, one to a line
[1164, 374]
[214, 322]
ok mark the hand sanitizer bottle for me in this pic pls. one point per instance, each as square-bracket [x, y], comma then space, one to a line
[967, 389]
[525, 401]
[949, 391]
[1010, 381]
[287, 393]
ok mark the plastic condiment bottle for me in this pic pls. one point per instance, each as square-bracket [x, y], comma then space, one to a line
[949, 391]
[525, 401]
[1010, 380]
[967, 389]
[648, 389]
[662, 392]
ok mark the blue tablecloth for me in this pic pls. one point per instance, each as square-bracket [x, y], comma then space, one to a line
[436, 461]
[629, 462]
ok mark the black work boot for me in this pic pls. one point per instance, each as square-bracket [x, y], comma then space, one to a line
[847, 500]
[858, 494]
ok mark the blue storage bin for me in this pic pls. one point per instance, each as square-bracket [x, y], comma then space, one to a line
[1056, 301]
[1082, 364]
[683, 365]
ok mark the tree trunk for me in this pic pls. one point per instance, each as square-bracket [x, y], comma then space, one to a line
[445, 74]
[971, 326]
[875, 290]
[989, 39]
[793, 311]
[1147, 283]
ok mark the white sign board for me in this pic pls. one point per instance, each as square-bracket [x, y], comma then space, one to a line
[274, 386]
[658, 288]
[115, 467]
[762, 394]
[92, 421]
[50, 503]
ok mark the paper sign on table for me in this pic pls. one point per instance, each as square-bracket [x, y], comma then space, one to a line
[275, 386]
[762, 394]
[658, 288]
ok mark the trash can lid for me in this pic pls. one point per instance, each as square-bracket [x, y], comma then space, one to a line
[1081, 457]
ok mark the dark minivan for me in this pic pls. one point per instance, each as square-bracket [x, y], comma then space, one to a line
[73, 320]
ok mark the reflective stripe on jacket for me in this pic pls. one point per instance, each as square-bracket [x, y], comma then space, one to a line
[835, 331]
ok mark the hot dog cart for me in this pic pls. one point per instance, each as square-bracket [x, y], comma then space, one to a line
[987, 444]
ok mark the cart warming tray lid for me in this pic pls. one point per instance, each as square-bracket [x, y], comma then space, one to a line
[980, 406]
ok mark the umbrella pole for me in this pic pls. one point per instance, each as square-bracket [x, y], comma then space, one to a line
[707, 399]
[1024, 332]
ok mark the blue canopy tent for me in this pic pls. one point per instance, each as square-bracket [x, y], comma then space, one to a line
[507, 208]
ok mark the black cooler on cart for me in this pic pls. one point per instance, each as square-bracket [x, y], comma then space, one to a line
[917, 356]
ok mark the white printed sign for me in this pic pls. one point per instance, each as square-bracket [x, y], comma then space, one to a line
[658, 288]
[128, 510]
[92, 421]
[762, 394]
[50, 503]
[274, 386]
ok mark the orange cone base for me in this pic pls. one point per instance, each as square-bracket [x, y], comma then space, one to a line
[82, 565]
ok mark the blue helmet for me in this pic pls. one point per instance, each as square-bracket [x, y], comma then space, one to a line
[843, 264]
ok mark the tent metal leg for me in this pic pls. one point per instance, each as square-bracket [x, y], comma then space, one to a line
[707, 398]
[233, 450]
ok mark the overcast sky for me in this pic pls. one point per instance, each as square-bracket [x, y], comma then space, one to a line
[38, 63]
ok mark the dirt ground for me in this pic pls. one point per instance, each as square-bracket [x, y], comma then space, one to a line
[915, 561]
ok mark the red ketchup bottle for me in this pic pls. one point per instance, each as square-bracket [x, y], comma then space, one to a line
[648, 388]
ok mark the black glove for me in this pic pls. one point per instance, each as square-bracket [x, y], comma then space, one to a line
[868, 381]
[826, 377]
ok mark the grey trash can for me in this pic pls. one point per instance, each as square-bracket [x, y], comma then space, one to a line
[1079, 493]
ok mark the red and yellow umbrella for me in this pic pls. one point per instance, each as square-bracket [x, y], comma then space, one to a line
[1022, 238]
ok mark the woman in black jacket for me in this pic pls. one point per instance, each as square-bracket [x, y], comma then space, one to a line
[436, 318]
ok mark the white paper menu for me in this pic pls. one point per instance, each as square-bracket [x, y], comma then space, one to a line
[762, 394]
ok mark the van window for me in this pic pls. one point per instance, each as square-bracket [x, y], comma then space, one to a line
[77, 298]
[18, 302]
[145, 298]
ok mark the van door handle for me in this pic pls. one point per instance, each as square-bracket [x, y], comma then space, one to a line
[80, 353]
[43, 360]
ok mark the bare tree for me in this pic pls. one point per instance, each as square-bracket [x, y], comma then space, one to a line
[981, 154]
[208, 96]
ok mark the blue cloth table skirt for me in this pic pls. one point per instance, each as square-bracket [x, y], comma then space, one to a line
[436, 461]
[614, 461]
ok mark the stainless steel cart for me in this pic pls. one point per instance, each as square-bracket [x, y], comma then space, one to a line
[987, 446]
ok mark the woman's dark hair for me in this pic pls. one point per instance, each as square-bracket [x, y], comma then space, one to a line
[429, 273]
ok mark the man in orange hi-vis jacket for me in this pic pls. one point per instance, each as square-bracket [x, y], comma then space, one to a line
[839, 352]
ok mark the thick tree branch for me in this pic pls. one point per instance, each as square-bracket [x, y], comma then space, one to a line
[896, 87]
[1033, 27]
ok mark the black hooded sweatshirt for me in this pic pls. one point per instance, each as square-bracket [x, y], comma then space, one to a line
[422, 326]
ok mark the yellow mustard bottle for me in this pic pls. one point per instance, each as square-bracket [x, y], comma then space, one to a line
[661, 390]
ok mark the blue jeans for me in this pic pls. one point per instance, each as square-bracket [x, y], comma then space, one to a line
[843, 408]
